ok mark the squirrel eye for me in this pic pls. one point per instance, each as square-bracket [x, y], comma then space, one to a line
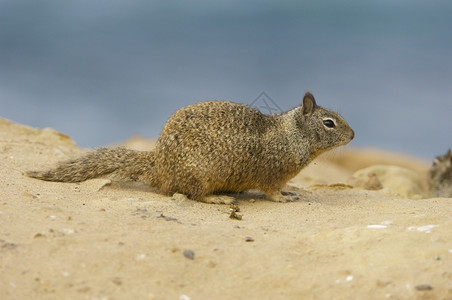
[329, 123]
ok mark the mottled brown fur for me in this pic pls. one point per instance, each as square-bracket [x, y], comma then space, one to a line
[441, 176]
[219, 146]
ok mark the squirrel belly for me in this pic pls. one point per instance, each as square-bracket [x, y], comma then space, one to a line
[219, 146]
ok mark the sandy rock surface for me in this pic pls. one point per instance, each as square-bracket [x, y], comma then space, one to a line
[104, 240]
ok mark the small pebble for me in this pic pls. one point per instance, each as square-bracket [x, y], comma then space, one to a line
[39, 235]
[189, 254]
[141, 256]
[233, 209]
[424, 287]
[377, 226]
[234, 215]
[249, 239]
[117, 280]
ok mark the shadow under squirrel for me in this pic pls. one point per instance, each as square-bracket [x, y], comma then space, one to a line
[218, 146]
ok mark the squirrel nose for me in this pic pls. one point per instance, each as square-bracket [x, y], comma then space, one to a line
[352, 135]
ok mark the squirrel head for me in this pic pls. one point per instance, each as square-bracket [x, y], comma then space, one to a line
[326, 128]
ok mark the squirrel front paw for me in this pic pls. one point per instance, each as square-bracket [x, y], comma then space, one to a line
[285, 196]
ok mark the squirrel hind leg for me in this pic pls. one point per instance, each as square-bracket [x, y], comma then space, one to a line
[197, 190]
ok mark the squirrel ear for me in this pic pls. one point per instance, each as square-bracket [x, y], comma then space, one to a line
[449, 155]
[308, 104]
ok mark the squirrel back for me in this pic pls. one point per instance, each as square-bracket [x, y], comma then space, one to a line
[220, 146]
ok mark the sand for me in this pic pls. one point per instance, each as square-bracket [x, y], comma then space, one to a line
[104, 240]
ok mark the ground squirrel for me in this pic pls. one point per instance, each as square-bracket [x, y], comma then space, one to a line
[440, 176]
[219, 147]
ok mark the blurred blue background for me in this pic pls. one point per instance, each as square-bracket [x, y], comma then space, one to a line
[102, 71]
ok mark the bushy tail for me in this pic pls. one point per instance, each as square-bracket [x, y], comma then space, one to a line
[120, 162]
